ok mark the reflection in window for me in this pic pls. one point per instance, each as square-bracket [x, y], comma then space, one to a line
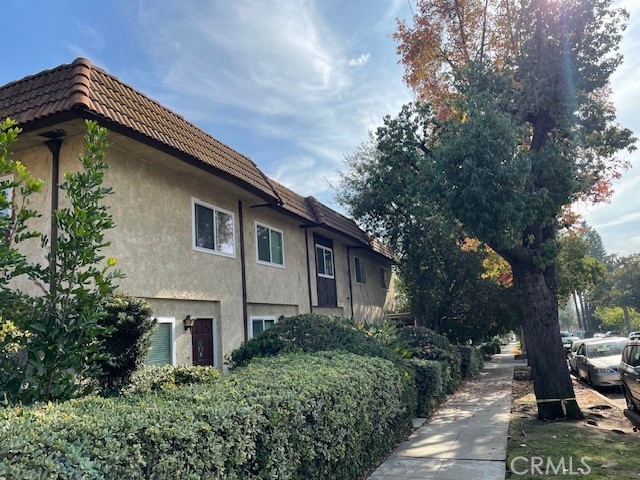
[214, 230]
[270, 248]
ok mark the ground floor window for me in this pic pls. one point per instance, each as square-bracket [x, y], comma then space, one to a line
[162, 344]
[260, 324]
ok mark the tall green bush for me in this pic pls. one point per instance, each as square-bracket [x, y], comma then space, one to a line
[64, 346]
[297, 416]
[471, 360]
[130, 323]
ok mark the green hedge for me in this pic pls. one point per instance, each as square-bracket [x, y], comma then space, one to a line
[325, 416]
[471, 360]
[153, 378]
[311, 333]
[429, 385]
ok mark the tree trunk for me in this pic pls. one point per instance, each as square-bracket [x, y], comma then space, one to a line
[627, 318]
[551, 381]
[581, 324]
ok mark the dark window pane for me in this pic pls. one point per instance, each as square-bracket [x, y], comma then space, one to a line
[263, 244]
[320, 260]
[268, 324]
[224, 233]
[204, 227]
[276, 248]
[328, 260]
[257, 326]
[360, 271]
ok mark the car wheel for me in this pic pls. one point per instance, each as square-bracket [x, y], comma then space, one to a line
[627, 397]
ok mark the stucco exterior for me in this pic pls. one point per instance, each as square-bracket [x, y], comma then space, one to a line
[153, 241]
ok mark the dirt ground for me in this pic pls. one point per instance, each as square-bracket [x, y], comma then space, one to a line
[598, 413]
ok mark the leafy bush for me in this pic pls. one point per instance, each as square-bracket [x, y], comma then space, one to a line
[312, 333]
[471, 360]
[295, 416]
[428, 345]
[153, 378]
[428, 376]
[130, 324]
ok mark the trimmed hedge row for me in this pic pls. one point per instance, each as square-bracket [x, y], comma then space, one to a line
[296, 416]
[471, 361]
[153, 378]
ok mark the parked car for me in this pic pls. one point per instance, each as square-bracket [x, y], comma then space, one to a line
[567, 342]
[597, 361]
[573, 352]
[629, 370]
[634, 336]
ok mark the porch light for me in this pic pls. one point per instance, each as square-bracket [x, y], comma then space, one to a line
[188, 322]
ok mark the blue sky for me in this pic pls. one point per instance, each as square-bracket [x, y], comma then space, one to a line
[295, 84]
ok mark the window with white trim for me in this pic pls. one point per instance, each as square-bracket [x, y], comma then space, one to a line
[213, 229]
[324, 260]
[384, 278]
[260, 324]
[162, 351]
[361, 274]
[7, 195]
[269, 245]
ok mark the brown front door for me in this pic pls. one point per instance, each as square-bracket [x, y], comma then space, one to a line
[202, 341]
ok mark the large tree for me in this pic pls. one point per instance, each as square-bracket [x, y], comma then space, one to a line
[514, 125]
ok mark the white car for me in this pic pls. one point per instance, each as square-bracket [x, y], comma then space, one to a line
[634, 336]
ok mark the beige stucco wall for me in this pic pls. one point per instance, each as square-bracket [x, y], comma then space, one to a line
[152, 210]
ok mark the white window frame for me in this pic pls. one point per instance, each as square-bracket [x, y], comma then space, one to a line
[8, 178]
[363, 268]
[388, 275]
[259, 317]
[172, 321]
[194, 226]
[262, 262]
[333, 263]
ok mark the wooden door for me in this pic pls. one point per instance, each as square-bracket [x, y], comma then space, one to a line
[325, 271]
[202, 341]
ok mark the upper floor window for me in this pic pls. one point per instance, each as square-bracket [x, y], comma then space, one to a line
[324, 260]
[213, 230]
[361, 274]
[384, 278]
[269, 245]
[7, 195]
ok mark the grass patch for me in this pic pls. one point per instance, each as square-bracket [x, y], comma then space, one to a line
[608, 454]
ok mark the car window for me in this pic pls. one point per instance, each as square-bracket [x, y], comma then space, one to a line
[634, 356]
[608, 349]
[581, 350]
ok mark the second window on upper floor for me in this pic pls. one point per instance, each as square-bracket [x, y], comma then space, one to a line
[269, 245]
[213, 230]
[324, 259]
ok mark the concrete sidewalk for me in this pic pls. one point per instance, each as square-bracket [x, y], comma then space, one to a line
[466, 438]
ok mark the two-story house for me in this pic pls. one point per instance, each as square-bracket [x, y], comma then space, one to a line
[201, 233]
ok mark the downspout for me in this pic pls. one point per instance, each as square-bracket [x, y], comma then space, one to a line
[306, 243]
[350, 281]
[243, 269]
[54, 146]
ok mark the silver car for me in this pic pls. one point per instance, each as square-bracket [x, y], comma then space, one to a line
[573, 352]
[597, 361]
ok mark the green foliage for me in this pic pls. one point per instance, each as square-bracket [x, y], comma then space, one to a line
[294, 416]
[471, 362]
[430, 390]
[154, 378]
[577, 271]
[64, 348]
[130, 323]
[311, 333]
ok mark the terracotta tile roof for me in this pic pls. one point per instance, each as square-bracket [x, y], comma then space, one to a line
[81, 85]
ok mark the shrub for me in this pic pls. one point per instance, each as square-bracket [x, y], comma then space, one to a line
[312, 333]
[130, 322]
[428, 345]
[428, 376]
[153, 378]
[471, 360]
[295, 416]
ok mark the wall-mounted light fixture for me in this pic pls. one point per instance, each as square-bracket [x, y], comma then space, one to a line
[188, 322]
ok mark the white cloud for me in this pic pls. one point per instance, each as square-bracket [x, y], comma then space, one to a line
[359, 61]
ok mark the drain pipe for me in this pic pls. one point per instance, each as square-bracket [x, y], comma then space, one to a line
[243, 268]
[54, 146]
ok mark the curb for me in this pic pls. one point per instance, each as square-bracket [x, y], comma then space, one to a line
[598, 394]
